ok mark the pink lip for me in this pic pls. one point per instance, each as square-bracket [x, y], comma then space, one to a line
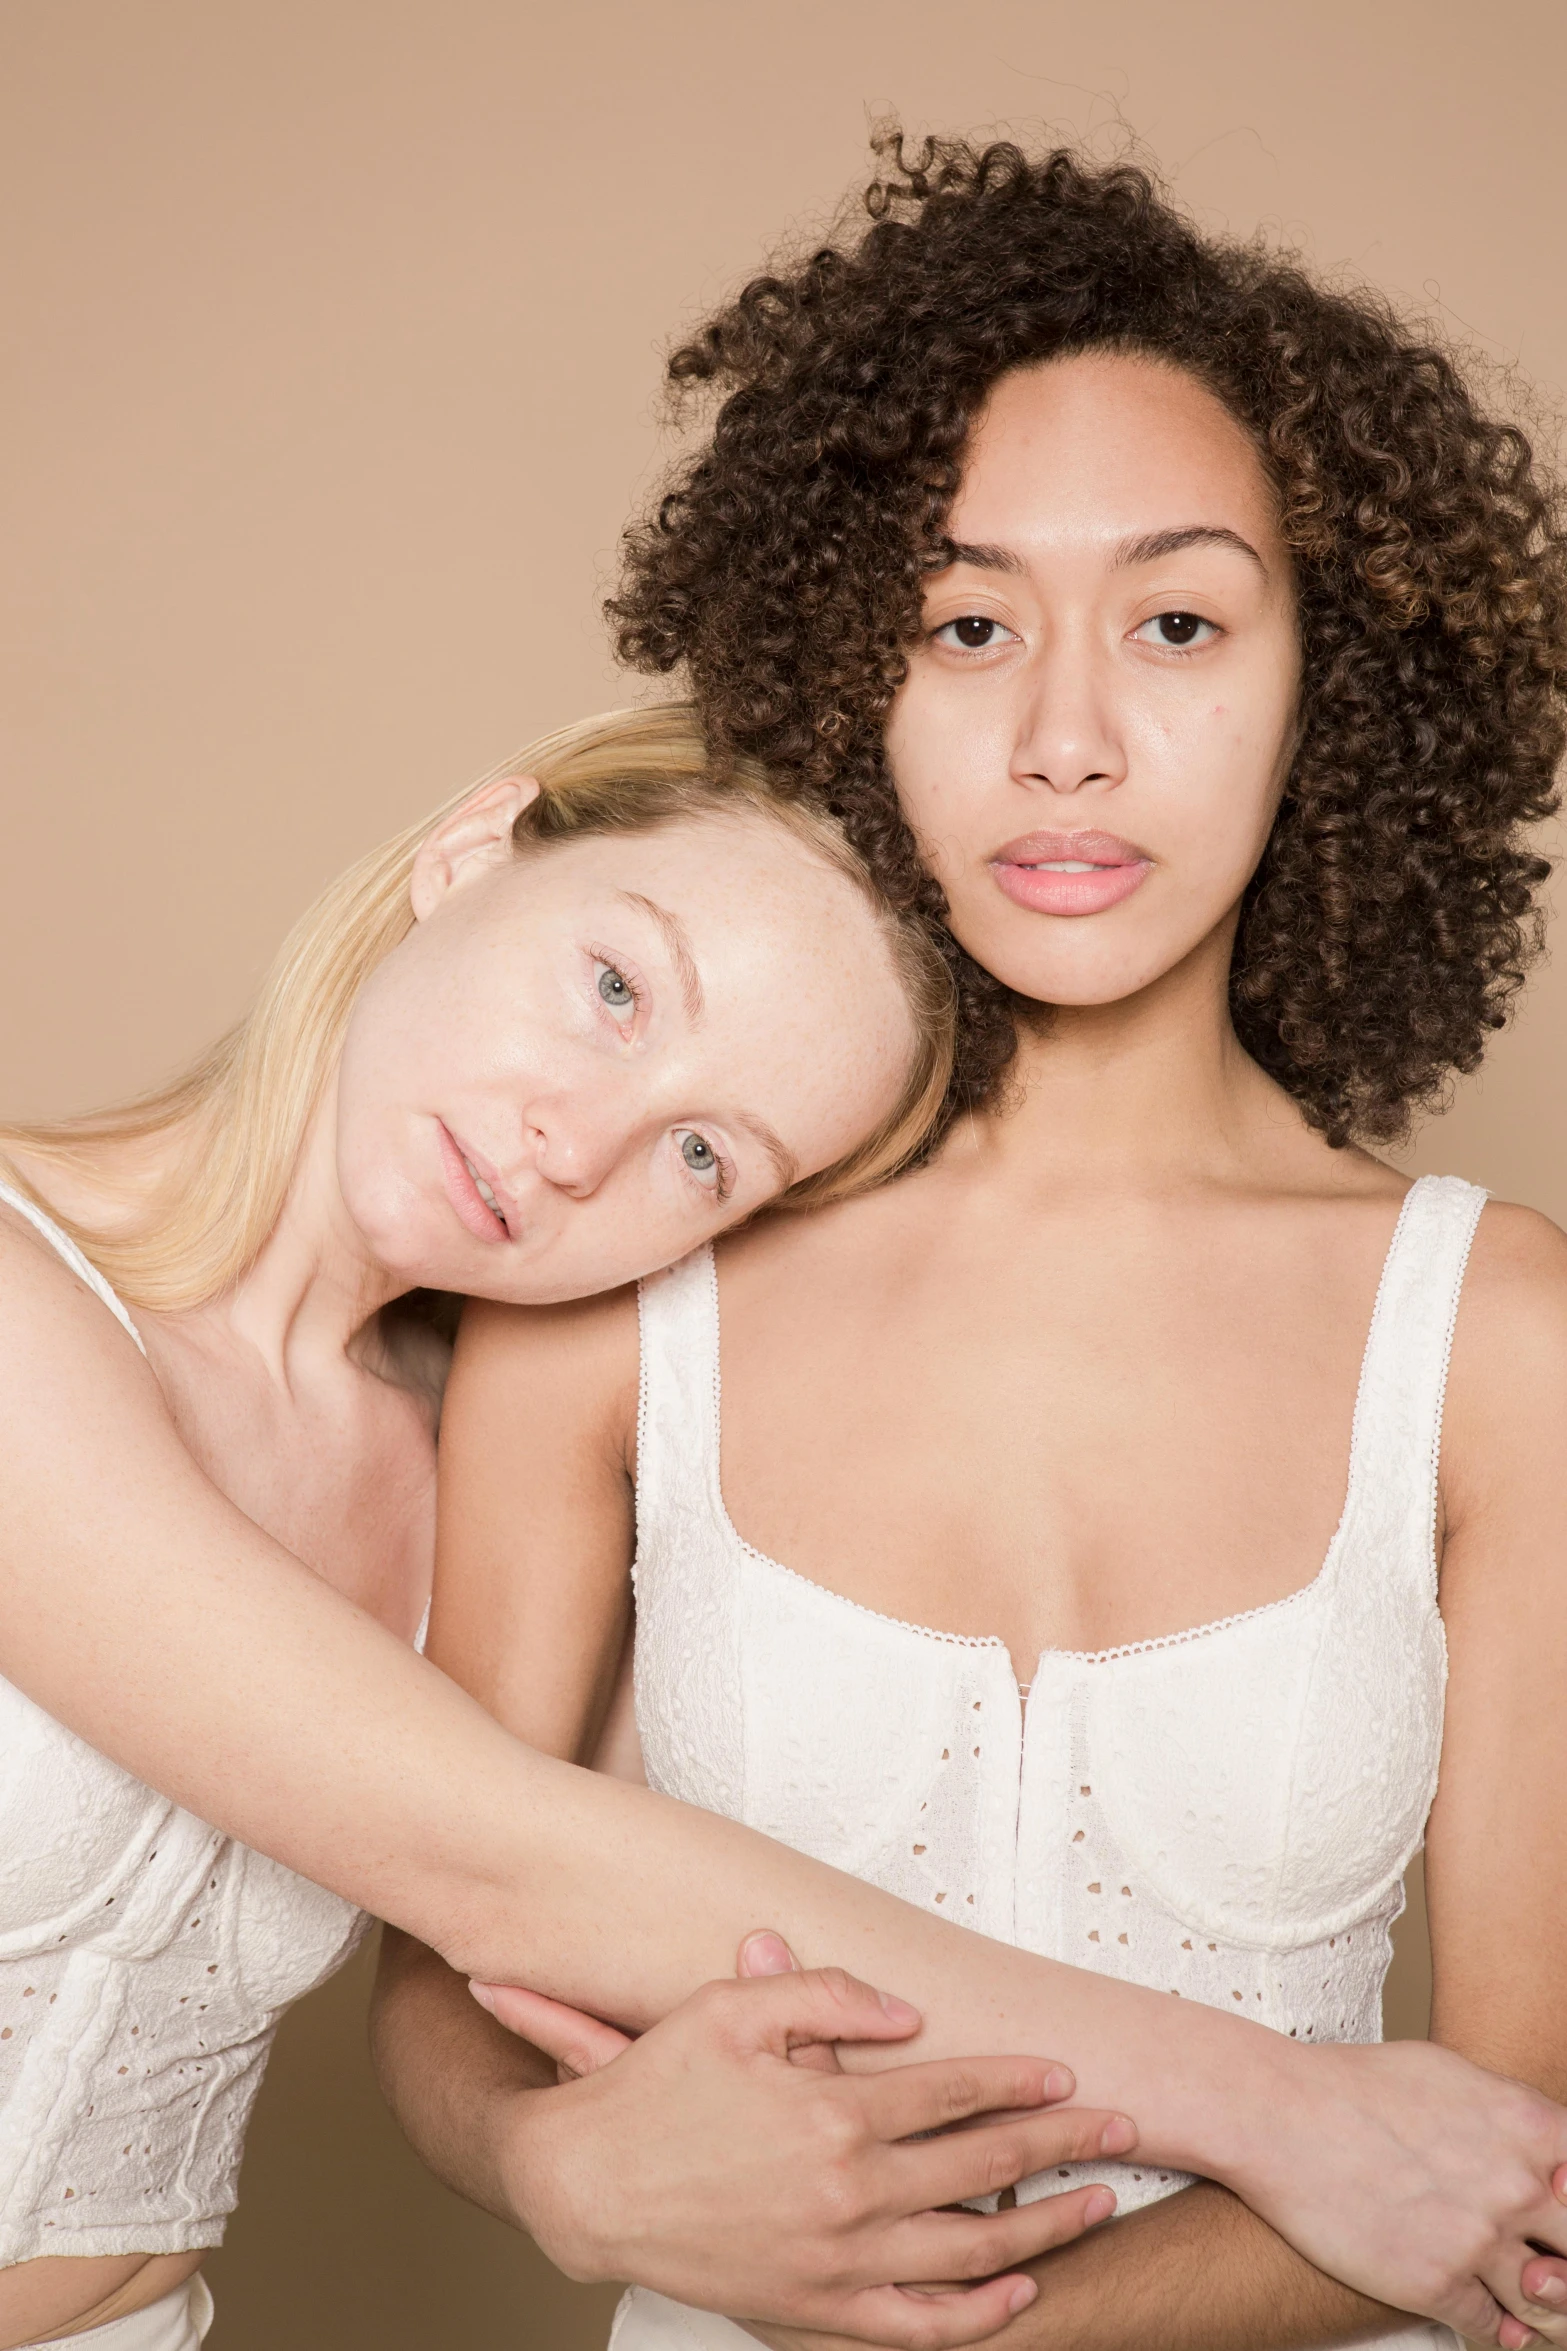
[464, 1194]
[1119, 868]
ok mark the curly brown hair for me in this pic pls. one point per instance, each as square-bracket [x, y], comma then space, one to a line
[1393, 915]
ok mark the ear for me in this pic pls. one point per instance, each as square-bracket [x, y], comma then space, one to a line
[469, 842]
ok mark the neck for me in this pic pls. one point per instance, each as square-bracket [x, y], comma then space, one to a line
[315, 1283]
[1153, 1090]
[312, 1288]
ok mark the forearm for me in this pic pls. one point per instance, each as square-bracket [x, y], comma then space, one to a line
[457, 2083]
[647, 1899]
[268, 1704]
[1197, 2272]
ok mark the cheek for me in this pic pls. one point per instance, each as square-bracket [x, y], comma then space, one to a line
[944, 765]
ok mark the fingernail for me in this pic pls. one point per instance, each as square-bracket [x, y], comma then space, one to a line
[765, 1953]
[1117, 2135]
[1099, 2207]
[1551, 2290]
[897, 2011]
[1024, 2292]
[484, 1996]
[1060, 2082]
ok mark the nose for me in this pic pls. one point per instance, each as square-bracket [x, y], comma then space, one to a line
[566, 1145]
[1068, 736]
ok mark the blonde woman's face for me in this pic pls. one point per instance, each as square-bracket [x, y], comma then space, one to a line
[584, 1061]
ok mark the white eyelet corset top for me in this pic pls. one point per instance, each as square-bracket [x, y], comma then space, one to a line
[1226, 1813]
[144, 1961]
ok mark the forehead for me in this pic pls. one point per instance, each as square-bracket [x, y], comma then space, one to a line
[736, 877]
[1104, 444]
[694, 844]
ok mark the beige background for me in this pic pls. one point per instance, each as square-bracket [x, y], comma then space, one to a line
[331, 334]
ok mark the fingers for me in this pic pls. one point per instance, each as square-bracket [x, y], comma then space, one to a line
[945, 2090]
[1545, 2280]
[956, 2169]
[578, 2043]
[765, 1953]
[932, 2322]
[778, 2012]
[948, 2245]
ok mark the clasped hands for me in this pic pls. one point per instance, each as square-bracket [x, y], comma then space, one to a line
[830, 2187]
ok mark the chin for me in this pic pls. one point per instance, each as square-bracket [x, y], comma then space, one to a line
[395, 1225]
[1080, 973]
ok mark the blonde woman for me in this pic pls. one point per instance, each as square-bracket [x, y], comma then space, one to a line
[583, 1017]
[587, 1018]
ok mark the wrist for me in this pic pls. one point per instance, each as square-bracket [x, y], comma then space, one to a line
[537, 2148]
[1250, 2089]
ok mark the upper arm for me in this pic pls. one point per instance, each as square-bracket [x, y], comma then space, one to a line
[535, 1519]
[1496, 1866]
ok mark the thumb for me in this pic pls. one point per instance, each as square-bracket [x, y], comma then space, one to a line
[765, 1953]
[780, 2012]
[579, 2044]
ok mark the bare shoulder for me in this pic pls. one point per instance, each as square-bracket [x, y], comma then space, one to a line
[1515, 1289]
[52, 1320]
[789, 1245]
[572, 1367]
[1506, 1411]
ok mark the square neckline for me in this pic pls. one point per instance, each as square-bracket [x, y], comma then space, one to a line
[1205, 1631]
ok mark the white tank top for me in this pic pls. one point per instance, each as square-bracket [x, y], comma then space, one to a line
[145, 1960]
[1226, 1813]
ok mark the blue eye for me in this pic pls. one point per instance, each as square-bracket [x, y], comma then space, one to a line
[616, 989]
[699, 1156]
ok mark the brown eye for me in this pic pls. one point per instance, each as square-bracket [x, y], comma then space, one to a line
[1177, 630]
[975, 632]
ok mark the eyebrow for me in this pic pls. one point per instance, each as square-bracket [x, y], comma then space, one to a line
[778, 1151]
[1146, 549]
[982, 558]
[673, 931]
[1153, 544]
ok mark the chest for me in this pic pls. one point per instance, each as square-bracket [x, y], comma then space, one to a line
[1070, 1438]
[343, 1475]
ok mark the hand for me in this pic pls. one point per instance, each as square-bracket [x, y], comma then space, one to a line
[1424, 2182]
[724, 2160]
[1544, 2281]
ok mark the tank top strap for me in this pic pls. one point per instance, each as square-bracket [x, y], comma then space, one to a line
[1398, 1414]
[677, 1412]
[63, 1246]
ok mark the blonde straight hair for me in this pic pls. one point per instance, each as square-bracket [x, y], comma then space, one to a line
[244, 1107]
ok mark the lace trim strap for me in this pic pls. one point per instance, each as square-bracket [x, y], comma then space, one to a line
[63, 1246]
[677, 1406]
[1398, 1431]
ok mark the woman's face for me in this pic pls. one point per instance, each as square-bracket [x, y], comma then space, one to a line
[585, 1060]
[1094, 733]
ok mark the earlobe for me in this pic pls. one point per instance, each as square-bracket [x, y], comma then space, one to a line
[466, 844]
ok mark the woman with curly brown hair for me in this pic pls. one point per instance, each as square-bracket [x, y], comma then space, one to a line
[1184, 639]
